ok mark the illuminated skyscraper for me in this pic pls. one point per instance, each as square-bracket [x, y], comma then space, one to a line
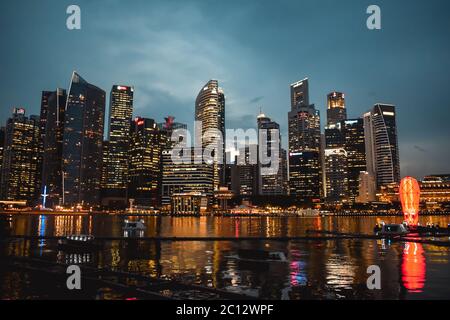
[336, 175]
[367, 188]
[305, 172]
[334, 136]
[336, 111]
[120, 115]
[19, 180]
[354, 144]
[45, 97]
[210, 110]
[270, 183]
[335, 164]
[304, 176]
[245, 175]
[82, 143]
[300, 93]
[2, 148]
[167, 128]
[194, 176]
[105, 149]
[382, 154]
[145, 162]
[52, 124]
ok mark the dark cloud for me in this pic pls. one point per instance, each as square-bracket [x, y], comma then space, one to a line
[419, 148]
[256, 99]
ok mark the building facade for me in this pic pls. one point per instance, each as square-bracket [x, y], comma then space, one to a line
[354, 144]
[210, 110]
[20, 167]
[435, 190]
[145, 162]
[305, 170]
[270, 183]
[52, 141]
[336, 111]
[381, 142]
[245, 172]
[82, 144]
[367, 188]
[167, 128]
[336, 175]
[120, 116]
[191, 176]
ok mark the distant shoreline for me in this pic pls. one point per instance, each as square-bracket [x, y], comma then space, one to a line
[342, 214]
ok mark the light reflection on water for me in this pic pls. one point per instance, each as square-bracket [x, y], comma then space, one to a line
[413, 267]
[313, 270]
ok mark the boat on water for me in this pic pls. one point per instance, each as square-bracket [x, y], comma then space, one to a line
[391, 229]
[79, 243]
[260, 256]
[133, 228]
[132, 225]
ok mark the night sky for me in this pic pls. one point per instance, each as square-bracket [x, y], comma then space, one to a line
[168, 49]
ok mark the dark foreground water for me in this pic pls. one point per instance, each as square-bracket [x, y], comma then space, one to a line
[314, 269]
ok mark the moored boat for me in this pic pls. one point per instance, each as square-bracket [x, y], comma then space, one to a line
[79, 242]
[391, 229]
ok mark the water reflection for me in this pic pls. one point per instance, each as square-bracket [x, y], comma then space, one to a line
[413, 267]
[112, 226]
[313, 270]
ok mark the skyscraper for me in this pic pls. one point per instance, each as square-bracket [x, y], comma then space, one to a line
[210, 110]
[82, 143]
[304, 120]
[245, 175]
[270, 183]
[367, 188]
[52, 140]
[336, 175]
[120, 115]
[354, 144]
[186, 178]
[145, 162]
[19, 179]
[336, 111]
[104, 189]
[45, 97]
[167, 128]
[334, 135]
[335, 155]
[305, 173]
[382, 155]
[304, 176]
[2, 148]
[300, 93]
[335, 163]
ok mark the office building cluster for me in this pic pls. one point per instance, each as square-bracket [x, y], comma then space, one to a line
[72, 156]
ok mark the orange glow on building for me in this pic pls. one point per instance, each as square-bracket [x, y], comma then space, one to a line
[410, 197]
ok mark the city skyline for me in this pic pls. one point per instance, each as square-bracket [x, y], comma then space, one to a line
[173, 52]
[221, 156]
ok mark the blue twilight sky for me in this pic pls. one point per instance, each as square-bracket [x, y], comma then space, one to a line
[255, 48]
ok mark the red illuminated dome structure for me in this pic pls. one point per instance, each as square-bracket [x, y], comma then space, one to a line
[410, 197]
